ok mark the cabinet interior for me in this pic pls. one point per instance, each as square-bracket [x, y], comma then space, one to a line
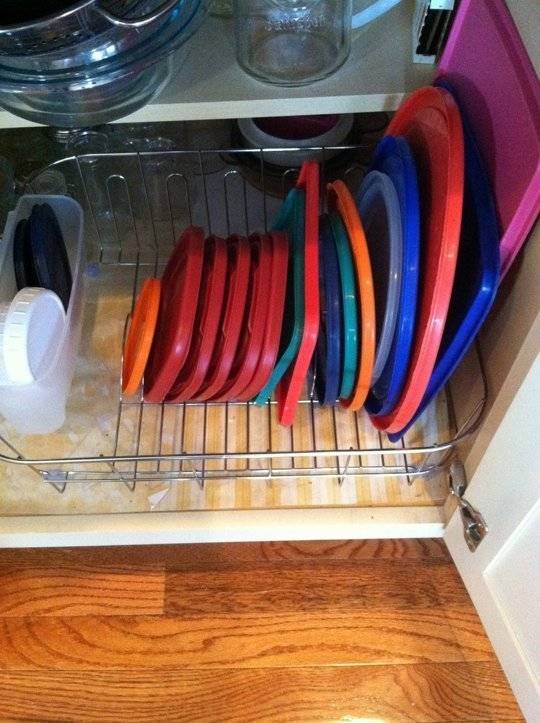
[233, 457]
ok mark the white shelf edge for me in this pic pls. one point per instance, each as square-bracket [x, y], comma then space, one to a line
[221, 526]
[162, 112]
[265, 107]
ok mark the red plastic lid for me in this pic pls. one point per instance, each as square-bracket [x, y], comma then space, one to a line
[178, 306]
[274, 320]
[239, 252]
[290, 388]
[431, 122]
[252, 336]
[212, 292]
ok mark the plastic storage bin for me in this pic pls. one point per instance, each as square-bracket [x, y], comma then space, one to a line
[40, 407]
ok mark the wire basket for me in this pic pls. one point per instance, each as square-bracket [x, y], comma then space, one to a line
[135, 206]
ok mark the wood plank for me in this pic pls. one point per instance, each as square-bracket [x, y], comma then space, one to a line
[86, 590]
[244, 640]
[352, 550]
[283, 632]
[314, 586]
[195, 556]
[424, 693]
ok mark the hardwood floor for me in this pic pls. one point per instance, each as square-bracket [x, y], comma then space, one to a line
[370, 631]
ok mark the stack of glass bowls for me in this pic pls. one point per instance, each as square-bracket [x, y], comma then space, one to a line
[115, 62]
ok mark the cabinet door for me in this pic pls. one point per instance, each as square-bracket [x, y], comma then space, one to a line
[503, 574]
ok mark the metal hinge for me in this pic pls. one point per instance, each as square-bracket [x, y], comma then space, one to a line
[474, 525]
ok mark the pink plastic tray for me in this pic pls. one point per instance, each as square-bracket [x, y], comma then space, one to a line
[496, 84]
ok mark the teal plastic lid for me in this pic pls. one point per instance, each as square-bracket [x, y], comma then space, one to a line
[349, 305]
[291, 219]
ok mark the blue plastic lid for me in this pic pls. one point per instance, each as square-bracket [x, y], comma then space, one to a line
[328, 353]
[22, 256]
[394, 157]
[477, 272]
[48, 253]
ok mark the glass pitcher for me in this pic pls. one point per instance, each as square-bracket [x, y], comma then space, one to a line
[294, 42]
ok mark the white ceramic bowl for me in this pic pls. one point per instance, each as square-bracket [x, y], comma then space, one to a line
[255, 137]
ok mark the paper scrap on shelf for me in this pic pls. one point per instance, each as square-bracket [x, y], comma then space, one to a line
[157, 497]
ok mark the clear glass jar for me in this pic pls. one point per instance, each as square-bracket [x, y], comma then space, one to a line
[292, 42]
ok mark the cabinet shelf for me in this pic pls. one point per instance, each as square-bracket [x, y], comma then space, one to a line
[211, 85]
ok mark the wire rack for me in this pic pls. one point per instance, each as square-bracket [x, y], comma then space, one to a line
[135, 207]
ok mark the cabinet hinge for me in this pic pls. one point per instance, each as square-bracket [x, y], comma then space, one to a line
[474, 525]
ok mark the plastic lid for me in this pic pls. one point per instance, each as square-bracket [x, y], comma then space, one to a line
[48, 260]
[329, 344]
[209, 313]
[290, 219]
[179, 297]
[341, 199]
[232, 320]
[141, 335]
[349, 304]
[276, 306]
[22, 253]
[290, 387]
[252, 338]
[380, 211]
[394, 157]
[477, 272]
[33, 328]
[431, 122]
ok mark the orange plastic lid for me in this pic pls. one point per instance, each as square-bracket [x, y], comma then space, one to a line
[340, 198]
[430, 120]
[140, 336]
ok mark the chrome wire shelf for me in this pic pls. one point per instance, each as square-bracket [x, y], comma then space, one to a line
[135, 207]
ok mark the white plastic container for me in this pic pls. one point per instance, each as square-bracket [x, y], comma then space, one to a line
[40, 407]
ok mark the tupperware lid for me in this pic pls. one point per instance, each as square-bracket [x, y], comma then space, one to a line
[141, 335]
[394, 157]
[379, 208]
[231, 324]
[33, 326]
[46, 259]
[180, 286]
[252, 335]
[276, 307]
[340, 199]
[431, 122]
[289, 389]
[328, 354]
[207, 322]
